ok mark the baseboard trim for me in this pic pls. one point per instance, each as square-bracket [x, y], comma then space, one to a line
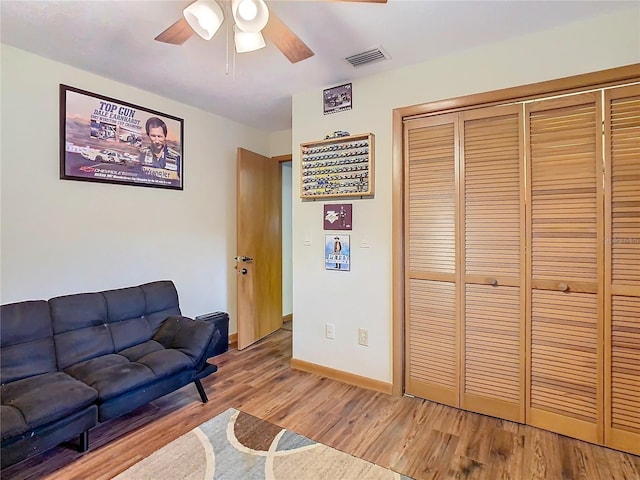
[233, 340]
[287, 318]
[345, 377]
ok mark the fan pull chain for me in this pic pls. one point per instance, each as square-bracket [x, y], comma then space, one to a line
[228, 49]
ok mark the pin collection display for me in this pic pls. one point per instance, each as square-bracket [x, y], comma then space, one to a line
[337, 167]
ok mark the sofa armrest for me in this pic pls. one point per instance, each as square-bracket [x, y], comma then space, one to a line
[191, 337]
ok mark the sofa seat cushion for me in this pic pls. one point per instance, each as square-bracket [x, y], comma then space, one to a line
[36, 401]
[114, 374]
[162, 361]
[135, 353]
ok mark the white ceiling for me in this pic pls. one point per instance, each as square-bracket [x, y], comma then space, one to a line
[115, 39]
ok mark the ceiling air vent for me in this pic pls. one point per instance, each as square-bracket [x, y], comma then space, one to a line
[370, 56]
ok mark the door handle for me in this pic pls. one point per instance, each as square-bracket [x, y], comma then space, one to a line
[243, 271]
[244, 258]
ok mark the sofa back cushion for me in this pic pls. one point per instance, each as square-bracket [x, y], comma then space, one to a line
[88, 325]
[26, 337]
[127, 321]
[162, 302]
[80, 327]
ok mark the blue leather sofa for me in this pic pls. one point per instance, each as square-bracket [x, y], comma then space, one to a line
[74, 361]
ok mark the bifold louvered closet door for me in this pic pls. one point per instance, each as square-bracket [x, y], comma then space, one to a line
[465, 304]
[522, 262]
[622, 278]
[565, 223]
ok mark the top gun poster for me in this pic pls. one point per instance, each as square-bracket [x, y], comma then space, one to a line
[107, 140]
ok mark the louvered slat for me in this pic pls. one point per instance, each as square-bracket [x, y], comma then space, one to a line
[565, 225]
[622, 302]
[492, 199]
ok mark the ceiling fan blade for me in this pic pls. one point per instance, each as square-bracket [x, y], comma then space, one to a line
[287, 42]
[176, 34]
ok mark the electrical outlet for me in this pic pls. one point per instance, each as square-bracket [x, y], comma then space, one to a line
[330, 330]
[363, 337]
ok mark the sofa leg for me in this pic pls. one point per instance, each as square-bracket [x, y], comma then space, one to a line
[83, 441]
[203, 394]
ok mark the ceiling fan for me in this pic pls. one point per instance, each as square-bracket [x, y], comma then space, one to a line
[252, 19]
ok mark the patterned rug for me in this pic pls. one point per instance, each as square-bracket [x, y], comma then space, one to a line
[238, 446]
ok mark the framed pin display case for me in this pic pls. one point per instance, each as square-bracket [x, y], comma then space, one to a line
[338, 167]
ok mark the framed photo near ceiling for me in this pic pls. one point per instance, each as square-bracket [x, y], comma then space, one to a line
[337, 99]
[103, 139]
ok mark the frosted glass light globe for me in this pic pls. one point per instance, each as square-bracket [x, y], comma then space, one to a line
[247, 9]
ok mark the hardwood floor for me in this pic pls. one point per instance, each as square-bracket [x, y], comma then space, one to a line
[418, 438]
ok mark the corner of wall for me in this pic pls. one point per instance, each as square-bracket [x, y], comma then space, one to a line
[280, 143]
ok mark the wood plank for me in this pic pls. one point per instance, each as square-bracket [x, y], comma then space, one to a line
[401, 433]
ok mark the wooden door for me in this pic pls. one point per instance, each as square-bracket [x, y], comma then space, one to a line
[622, 277]
[259, 247]
[565, 299]
[493, 261]
[432, 312]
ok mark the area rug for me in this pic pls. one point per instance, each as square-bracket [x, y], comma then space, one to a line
[238, 446]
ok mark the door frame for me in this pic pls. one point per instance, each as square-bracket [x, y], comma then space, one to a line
[283, 159]
[573, 84]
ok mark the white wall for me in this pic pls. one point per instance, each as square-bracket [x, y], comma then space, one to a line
[61, 236]
[362, 297]
[280, 143]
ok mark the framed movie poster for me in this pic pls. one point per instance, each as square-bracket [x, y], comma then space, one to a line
[107, 140]
[337, 253]
[337, 99]
[337, 216]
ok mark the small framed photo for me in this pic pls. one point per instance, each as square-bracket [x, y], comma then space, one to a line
[337, 99]
[337, 216]
[337, 253]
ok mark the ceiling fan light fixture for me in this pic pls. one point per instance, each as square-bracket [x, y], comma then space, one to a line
[251, 16]
[204, 17]
[247, 10]
[248, 41]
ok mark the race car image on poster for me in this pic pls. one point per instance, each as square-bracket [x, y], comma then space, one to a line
[101, 155]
